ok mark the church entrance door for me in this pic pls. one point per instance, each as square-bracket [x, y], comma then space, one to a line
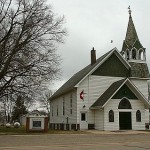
[125, 121]
[83, 121]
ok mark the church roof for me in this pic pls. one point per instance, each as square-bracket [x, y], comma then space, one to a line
[73, 82]
[113, 89]
[107, 94]
[70, 84]
[139, 70]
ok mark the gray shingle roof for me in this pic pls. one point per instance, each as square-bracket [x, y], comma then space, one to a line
[108, 93]
[139, 70]
[131, 35]
[131, 39]
[69, 85]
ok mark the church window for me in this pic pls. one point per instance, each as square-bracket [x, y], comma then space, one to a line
[111, 116]
[141, 55]
[127, 55]
[63, 106]
[83, 117]
[123, 54]
[148, 82]
[57, 110]
[71, 103]
[124, 104]
[138, 116]
[52, 111]
[134, 54]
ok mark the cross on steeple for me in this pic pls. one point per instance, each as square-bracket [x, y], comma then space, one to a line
[129, 10]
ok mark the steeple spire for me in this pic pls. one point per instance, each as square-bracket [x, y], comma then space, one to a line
[134, 52]
[131, 34]
[132, 48]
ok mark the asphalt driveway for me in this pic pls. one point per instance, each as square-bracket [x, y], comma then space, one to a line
[93, 141]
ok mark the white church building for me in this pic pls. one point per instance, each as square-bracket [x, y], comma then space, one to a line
[111, 93]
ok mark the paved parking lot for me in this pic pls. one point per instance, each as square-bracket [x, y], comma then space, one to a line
[92, 141]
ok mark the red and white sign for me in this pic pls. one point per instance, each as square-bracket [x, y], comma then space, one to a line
[82, 95]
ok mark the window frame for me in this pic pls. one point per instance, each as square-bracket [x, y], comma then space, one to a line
[83, 116]
[52, 111]
[111, 116]
[57, 110]
[124, 104]
[71, 103]
[63, 106]
[138, 116]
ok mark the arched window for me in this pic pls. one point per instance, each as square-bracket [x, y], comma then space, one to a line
[123, 54]
[141, 54]
[138, 116]
[111, 116]
[124, 104]
[134, 54]
[127, 54]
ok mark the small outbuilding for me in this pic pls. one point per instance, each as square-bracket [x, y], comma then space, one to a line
[37, 123]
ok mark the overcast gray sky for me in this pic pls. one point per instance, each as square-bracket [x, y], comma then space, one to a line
[94, 23]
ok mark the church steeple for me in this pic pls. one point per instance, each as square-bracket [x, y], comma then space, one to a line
[131, 35]
[132, 48]
[134, 52]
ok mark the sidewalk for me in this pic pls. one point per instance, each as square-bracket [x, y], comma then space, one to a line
[118, 132]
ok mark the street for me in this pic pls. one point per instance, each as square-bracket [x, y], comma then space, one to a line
[91, 141]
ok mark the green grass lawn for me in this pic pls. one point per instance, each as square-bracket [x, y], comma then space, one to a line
[12, 130]
[22, 130]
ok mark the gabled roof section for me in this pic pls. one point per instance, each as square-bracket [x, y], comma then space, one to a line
[113, 51]
[108, 94]
[113, 89]
[77, 78]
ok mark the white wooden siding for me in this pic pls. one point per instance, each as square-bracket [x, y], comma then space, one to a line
[142, 85]
[72, 118]
[99, 119]
[93, 87]
[113, 105]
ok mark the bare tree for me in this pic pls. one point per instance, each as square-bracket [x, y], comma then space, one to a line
[19, 109]
[29, 34]
[8, 103]
[7, 106]
[45, 101]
